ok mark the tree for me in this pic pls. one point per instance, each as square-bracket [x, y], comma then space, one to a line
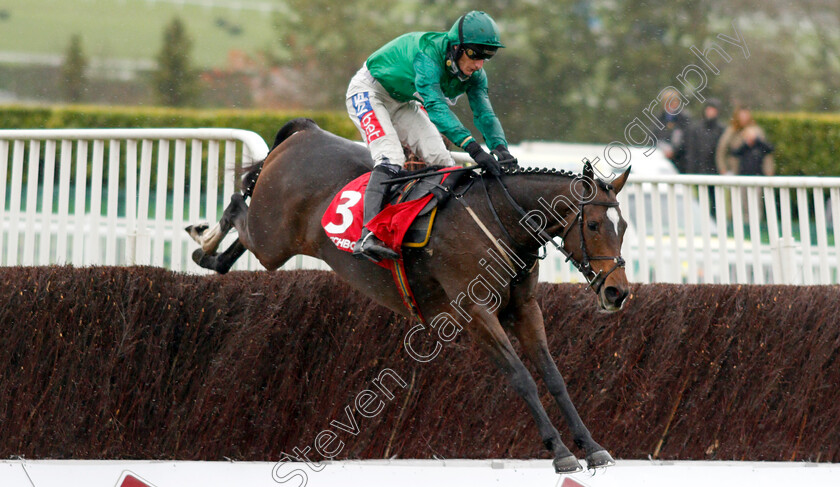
[175, 81]
[73, 77]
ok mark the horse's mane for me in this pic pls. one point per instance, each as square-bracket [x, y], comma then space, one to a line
[517, 170]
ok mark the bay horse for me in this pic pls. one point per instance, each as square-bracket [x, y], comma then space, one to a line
[291, 189]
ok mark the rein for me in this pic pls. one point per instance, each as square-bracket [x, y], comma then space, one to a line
[595, 280]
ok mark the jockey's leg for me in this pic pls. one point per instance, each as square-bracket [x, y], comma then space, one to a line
[370, 107]
[369, 245]
[420, 134]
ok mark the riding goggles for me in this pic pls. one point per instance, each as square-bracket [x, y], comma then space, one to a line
[479, 52]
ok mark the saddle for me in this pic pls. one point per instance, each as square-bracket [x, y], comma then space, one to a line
[420, 230]
[406, 220]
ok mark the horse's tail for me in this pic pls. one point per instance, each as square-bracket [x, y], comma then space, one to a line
[251, 172]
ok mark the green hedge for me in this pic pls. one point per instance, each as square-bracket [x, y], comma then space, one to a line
[264, 122]
[805, 142]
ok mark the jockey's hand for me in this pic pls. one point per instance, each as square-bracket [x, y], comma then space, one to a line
[483, 159]
[503, 155]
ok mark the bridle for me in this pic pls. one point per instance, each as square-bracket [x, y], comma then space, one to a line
[596, 280]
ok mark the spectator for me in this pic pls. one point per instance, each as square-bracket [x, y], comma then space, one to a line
[673, 130]
[754, 154]
[703, 140]
[735, 137]
[743, 149]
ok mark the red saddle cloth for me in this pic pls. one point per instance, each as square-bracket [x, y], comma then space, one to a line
[343, 219]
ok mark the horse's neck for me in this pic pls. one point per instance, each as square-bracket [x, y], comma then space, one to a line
[548, 198]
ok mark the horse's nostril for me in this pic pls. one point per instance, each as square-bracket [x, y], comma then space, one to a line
[621, 297]
[615, 295]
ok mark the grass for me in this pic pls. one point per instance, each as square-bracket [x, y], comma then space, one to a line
[131, 29]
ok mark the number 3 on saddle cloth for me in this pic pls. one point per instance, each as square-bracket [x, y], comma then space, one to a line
[406, 220]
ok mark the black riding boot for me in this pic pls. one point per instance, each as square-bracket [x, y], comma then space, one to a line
[368, 245]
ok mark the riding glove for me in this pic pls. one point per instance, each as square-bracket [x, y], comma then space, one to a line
[483, 159]
[503, 155]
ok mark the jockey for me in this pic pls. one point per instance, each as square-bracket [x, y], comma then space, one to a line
[401, 95]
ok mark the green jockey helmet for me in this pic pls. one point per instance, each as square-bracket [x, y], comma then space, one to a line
[475, 34]
[476, 28]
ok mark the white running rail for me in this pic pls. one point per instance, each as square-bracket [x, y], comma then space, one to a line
[114, 196]
[123, 197]
[762, 230]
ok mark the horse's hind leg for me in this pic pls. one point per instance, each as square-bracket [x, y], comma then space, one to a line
[530, 331]
[235, 215]
[220, 263]
[211, 237]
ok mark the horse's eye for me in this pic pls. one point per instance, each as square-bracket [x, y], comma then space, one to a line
[593, 226]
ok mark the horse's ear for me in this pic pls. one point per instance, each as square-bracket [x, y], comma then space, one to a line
[619, 183]
[588, 172]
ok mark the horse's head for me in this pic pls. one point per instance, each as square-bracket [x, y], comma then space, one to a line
[593, 239]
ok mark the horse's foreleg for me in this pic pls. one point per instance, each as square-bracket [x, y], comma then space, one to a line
[530, 331]
[490, 336]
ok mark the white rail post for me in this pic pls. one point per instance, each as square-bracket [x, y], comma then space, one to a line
[143, 240]
[738, 233]
[31, 202]
[45, 247]
[791, 275]
[65, 169]
[95, 216]
[688, 209]
[835, 221]
[723, 257]
[14, 203]
[805, 235]
[674, 235]
[754, 211]
[773, 230]
[4, 164]
[706, 231]
[822, 238]
[113, 202]
[131, 202]
[81, 202]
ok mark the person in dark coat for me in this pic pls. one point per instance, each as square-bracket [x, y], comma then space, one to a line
[752, 154]
[703, 139]
[673, 131]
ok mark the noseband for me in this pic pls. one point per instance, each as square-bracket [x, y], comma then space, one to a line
[595, 279]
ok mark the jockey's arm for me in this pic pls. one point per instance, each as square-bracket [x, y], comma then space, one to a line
[427, 83]
[483, 116]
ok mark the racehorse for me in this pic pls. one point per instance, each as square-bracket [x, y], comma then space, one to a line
[291, 189]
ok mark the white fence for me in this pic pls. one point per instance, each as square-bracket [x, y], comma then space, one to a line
[87, 196]
[123, 196]
[727, 229]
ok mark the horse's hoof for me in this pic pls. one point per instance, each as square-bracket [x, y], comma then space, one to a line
[567, 464]
[195, 231]
[599, 459]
